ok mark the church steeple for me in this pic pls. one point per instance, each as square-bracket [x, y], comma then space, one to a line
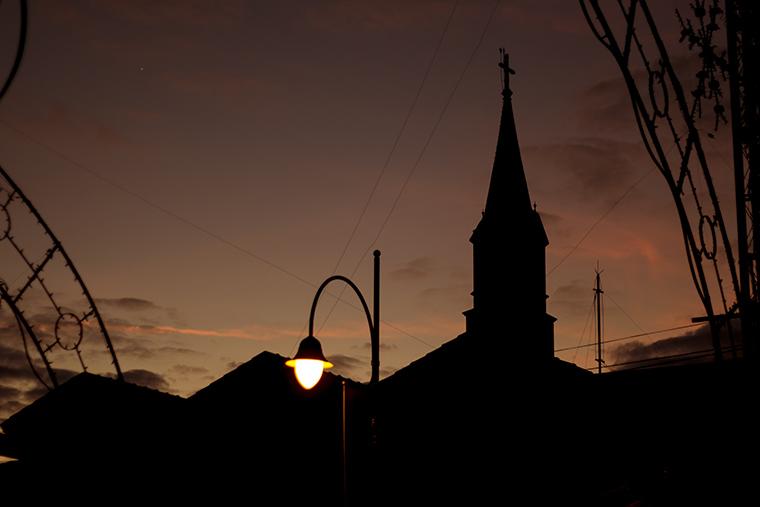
[508, 191]
[509, 268]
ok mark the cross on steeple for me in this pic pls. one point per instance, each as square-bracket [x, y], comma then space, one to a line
[506, 70]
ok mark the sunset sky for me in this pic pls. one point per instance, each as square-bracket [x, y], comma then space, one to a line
[181, 150]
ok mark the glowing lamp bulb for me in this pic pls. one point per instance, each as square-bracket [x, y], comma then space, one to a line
[309, 371]
[309, 362]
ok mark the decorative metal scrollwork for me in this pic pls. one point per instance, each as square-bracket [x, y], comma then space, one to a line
[709, 253]
[57, 322]
[661, 108]
[46, 295]
[667, 123]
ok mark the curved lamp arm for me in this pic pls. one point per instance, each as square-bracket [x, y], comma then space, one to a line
[356, 290]
[374, 328]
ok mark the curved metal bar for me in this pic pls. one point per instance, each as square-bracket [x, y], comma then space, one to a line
[350, 284]
[374, 338]
[356, 290]
[19, 49]
[681, 99]
[70, 265]
[26, 329]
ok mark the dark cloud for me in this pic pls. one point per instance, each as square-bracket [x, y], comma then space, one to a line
[574, 290]
[64, 375]
[457, 292]
[147, 378]
[128, 304]
[593, 166]
[18, 385]
[14, 366]
[572, 299]
[7, 393]
[149, 313]
[233, 364]
[9, 407]
[415, 269]
[143, 349]
[116, 322]
[34, 393]
[185, 369]
[345, 365]
[8, 331]
[606, 106]
[638, 353]
[175, 316]
[556, 226]
[171, 350]
[550, 219]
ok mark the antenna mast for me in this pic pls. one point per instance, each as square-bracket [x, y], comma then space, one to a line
[598, 308]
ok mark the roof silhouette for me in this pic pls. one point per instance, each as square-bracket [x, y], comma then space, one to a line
[82, 397]
[265, 378]
[474, 357]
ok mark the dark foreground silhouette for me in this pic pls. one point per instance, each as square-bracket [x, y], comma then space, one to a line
[489, 418]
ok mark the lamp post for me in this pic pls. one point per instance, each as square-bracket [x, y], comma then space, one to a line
[310, 362]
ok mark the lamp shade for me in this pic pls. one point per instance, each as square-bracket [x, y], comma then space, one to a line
[309, 362]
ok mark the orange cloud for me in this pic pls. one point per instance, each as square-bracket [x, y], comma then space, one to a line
[633, 246]
[261, 334]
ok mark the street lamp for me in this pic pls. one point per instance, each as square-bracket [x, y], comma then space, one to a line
[310, 362]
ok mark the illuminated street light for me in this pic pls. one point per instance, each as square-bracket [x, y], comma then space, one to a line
[310, 362]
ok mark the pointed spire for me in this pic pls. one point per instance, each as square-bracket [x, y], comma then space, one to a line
[510, 281]
[508, 191]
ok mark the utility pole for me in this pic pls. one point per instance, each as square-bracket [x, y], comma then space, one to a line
[598, 307]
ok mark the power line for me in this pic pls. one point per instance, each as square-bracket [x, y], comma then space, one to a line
[434, 129]
[600, 219]
[398, 136]
[656, 361]
[583, 332]
[604, 215]
[188, 222]
[156, 206]
[422, 151]
[402, 331]
[380, 175]
[624, 312]
[631, 337]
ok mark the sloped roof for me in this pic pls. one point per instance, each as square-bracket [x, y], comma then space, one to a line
[263, 378]
[468, 356]
[88, 391]
[89, 410]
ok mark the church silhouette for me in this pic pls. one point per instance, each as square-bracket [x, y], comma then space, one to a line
[490, 417]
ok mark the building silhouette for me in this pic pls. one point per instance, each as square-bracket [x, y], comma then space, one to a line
[509, 244]
[495, 386]
[490, 417]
